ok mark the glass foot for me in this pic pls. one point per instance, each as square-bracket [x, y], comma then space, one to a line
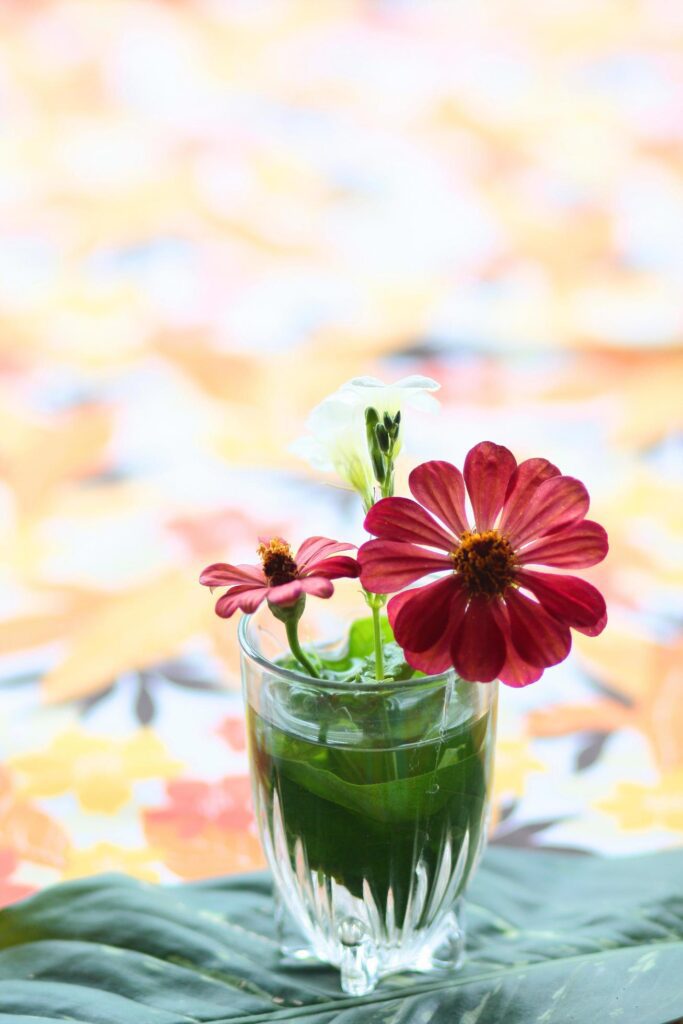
[359, 965]
[293, 946]
[352, 948]
[449, 954]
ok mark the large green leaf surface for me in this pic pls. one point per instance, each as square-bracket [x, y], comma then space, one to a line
[552, 939]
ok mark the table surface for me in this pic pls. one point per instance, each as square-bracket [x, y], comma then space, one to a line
[191, 258]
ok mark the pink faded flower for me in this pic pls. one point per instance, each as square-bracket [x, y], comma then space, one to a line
[282, 577]
[233, 730]
[490, 616]
[205, 828]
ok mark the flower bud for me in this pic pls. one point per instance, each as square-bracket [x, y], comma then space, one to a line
[371, 418]
[383, 438]
[378, 466]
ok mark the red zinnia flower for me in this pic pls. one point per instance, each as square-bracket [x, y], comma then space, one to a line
[491, 616]
[281, 577]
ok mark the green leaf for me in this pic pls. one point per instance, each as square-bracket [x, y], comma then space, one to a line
[362, 636]
[553, 939]
[394, 801]
[357, 810]
[357, 659]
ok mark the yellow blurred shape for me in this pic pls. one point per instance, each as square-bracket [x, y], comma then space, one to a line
[98, 770]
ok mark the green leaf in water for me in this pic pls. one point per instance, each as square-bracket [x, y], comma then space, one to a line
[357, 660]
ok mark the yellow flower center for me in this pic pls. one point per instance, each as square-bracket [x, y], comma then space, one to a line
[278, 564]
[486, 563]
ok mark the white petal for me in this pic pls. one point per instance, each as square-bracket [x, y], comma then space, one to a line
[417, 383]
[363, 382]
[337, 441]
[337, 438]
[421, 400]
[311, 451]
[409, 392]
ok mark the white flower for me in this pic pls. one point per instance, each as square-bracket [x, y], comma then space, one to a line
[337, 439]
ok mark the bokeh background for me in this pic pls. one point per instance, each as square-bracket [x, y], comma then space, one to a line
[212, 214]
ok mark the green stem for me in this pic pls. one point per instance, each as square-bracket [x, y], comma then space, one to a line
[292, 627]
[387, 485]
[379, 647]
[376, 602]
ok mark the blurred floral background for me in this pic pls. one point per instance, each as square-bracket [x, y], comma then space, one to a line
[214, 213]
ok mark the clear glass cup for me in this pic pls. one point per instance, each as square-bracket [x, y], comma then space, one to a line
[372, 802]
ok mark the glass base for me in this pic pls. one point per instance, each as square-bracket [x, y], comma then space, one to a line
[361, 961]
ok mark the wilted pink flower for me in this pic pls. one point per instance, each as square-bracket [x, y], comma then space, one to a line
[282, 578]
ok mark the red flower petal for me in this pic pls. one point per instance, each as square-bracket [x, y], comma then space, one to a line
[478, 646]
[405, 520]
[286, 593]
[515, 672]
[594, 630]
[333, 568]
[538, 637]
[558, 503]
[317, 586]
[438, 658]
[435, 660]
[523, 484]
[576, 548]
[488, 468]
[423, 617]
[244, 597]
[568, 598]
[315, 548]
[387, 565]
[221, 575]
[440, 487]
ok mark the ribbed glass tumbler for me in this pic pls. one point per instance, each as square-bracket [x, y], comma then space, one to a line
[372, 802]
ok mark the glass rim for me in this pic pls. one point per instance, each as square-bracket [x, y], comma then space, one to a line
[337, 684]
